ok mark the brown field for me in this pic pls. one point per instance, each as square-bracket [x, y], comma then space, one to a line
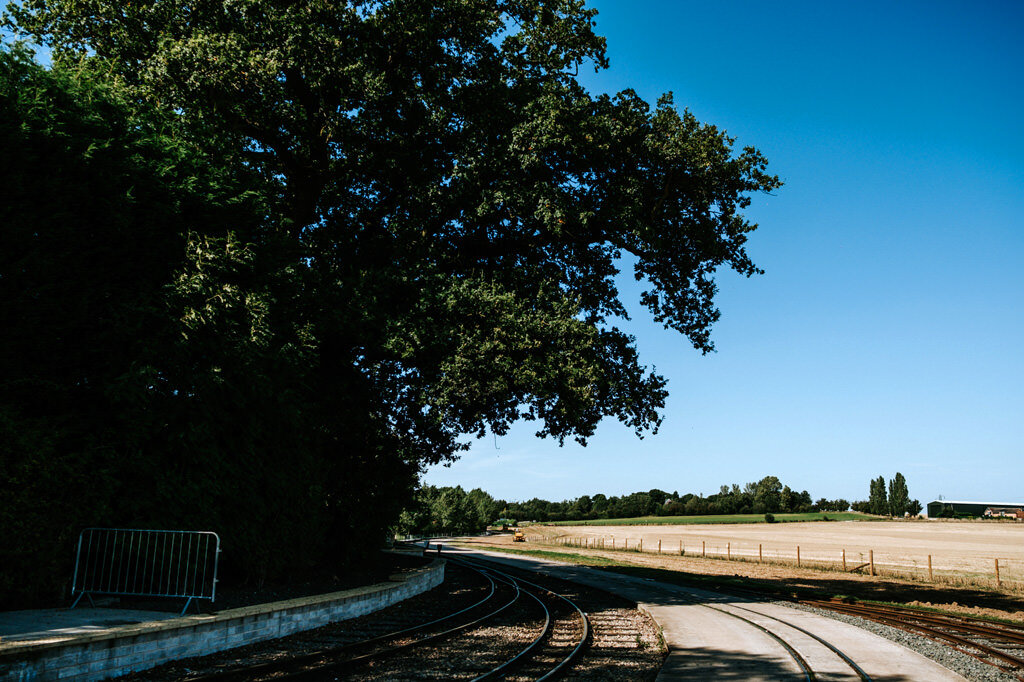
[960, 550]
[963, 557]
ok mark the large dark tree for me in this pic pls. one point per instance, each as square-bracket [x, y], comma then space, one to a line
[97, 203]
[445, 212]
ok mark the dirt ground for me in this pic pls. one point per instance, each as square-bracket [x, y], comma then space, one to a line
[975, 597]
[967, 549]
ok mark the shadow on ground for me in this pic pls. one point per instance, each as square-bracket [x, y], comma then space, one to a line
[813, 587]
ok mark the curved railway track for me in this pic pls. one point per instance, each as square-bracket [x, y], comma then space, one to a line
[809, 673]
[995, 644]
[564, 645]
[784, 636]
[789, 636]
[552, 630]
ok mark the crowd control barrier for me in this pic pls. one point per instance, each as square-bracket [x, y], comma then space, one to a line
[146, 563]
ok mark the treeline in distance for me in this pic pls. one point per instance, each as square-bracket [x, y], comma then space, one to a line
[451, 510]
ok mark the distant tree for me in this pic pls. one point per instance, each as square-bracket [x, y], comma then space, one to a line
[484, 507]
[787, 499]
[839, 505]
[914, 508]
[899, 496]
[696, 506]
[675, 508]
[767, 495]
[580, 508]
[658, 496]
[862, 506]
[877, 497]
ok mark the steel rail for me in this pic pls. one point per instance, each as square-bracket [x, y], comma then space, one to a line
[336, 665]
[800, 661]
[499, 671]
[310, 658]
[566, 661]
[849, 661]
[937, 635]
[973, 625]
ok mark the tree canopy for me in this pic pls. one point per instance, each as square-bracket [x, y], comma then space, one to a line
[450, 202]
[430, 212]
[899, 496]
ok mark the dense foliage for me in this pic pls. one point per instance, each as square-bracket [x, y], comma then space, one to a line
[282, 255]
[451, 510]
[448, 511]
[896, 502]
[899, 496]
[98, 206]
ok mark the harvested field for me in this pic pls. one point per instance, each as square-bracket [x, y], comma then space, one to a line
[978, 598]
[962, 552]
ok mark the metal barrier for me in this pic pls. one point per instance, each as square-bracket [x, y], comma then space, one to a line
[146, 563]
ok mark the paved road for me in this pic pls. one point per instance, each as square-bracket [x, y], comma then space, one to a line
[712, 636]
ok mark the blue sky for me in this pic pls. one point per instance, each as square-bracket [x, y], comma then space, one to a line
[887, 332]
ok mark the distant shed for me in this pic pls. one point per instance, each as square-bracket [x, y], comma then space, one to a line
[962, 509]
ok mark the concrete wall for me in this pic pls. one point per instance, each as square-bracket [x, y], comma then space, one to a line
[126, 649]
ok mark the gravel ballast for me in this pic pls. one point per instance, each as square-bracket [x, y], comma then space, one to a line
[972, 669]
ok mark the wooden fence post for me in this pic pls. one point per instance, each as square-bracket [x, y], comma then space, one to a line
[871, 560]
[613, 543]
[728, 551]
[999, 583]
[703, 549]
[844, 560]
[640, 545]
[625, 544]
[798, 556]
[760, 554]
[931, 578]
[680, 548]
[659, 545]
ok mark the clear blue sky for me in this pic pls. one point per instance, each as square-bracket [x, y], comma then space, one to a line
[887, 333]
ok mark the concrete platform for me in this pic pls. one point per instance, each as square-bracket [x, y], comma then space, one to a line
[84, 645]
[710, 644]
[61, 625]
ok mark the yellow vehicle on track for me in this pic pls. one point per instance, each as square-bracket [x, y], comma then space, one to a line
[518, 536]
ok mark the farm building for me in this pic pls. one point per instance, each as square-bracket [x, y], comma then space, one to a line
[961, 509]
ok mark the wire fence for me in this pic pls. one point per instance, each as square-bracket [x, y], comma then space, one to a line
[999, 572]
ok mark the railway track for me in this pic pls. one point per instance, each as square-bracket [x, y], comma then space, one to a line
[545, 622]
[485, 624]
[998, 645]
[814, 656]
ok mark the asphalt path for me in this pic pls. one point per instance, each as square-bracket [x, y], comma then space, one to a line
[715, 636]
